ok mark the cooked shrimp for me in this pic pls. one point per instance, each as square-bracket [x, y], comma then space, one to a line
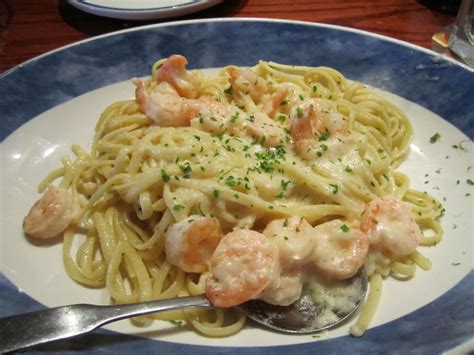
[265, 130]
[339, 250]
[174, 72]
[315, 117]
[247, 82]
[217, 117]
[272, 102]
[293, 237]
[390, 226]
[286, 290]
[189, 244]
[164, 105]
[244, 264]
[52, 213]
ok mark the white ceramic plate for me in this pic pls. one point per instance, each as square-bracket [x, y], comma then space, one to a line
[433, 312]
[142, 9]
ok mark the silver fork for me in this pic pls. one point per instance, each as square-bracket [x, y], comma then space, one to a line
[25, 330]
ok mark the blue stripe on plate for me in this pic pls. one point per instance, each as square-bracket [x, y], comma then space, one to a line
[417, 75]
[431, 81]
[434, 328]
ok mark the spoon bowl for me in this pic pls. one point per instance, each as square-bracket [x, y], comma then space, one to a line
[304, 316]
[310, 314]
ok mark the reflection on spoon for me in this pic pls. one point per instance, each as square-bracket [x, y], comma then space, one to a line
[321, 306]
[307, 315]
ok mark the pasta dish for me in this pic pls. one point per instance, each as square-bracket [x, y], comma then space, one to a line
[254, 183]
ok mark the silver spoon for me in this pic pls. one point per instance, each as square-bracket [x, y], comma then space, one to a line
[29, 329]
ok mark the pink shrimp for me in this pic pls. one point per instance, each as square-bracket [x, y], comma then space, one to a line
[244, 264]
[164, 105]
[248, 82]
[339, 250]
[173, 71]
[189, 244]
[166, 108]
[293, 237]
[285, 291]
[390, 226]
[272, 102]
[265, 130]
[51, 214]
[315, 117]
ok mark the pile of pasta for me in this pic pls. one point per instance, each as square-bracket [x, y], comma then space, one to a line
[139, 178]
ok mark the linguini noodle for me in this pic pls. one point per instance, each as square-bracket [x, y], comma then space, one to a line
[140, 178]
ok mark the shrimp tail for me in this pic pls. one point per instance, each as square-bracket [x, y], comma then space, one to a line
[174, 72]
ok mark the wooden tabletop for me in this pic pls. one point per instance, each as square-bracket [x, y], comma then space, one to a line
[31, 28]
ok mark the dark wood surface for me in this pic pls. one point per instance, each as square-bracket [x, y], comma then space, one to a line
[34, 27]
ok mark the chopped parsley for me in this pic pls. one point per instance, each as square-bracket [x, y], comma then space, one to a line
[234, 117]
[284, 184]
[335, 188]
[186, 170]
[178, 208]
[435, 137]
[460, 145]
[164, 176]
[344, 228]
[299, 112]
[324, 136]
[281, 118]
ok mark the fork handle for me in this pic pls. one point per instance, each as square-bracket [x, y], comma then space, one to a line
[29, 329]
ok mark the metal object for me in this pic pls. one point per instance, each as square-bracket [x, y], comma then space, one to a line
[306, 315]
[26, 330]
[457, 39]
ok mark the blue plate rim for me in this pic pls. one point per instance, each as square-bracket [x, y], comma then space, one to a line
[187, 22]
[245, 19]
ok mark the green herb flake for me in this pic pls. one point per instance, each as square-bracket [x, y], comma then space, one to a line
[299, 112]
[324, 136]
[335, 188]
[186, 170]
[344, 228]
[178, 208]
[284, 184]
[234, 117]
[228, 90]
[435, 137]
[281, 118]
[164, 176]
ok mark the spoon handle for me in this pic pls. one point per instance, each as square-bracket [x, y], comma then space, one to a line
[25, 330]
